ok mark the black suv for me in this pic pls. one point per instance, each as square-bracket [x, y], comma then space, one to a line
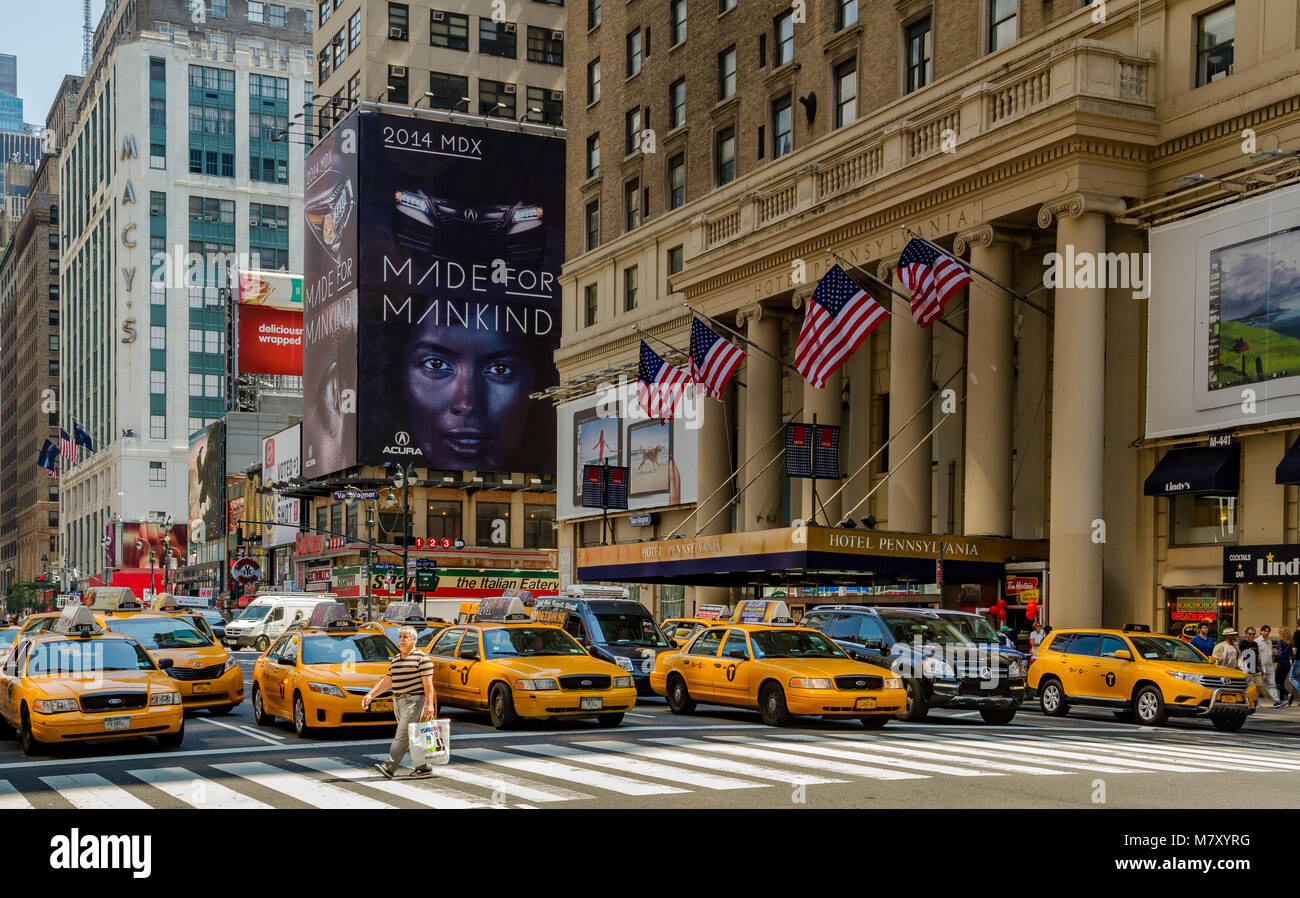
[940, 667]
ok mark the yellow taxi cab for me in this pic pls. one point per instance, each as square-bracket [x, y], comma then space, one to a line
[679, 630]
[206, 674]
[467, 612]
[315, 677]
[406, 614]
[778, 668]
[1140, 675]
[78, 682]
[511, 667]
[8, 635]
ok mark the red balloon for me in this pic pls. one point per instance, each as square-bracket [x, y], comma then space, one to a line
[1031, 610]
[1002, 603]
[1002, 614]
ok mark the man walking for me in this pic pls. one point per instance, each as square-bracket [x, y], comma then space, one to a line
[1267, 669]
[1203, 641]
[1226, 653]
[410, 675]
[1036, 638]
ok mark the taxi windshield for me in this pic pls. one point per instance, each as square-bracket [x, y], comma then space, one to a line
[1160, 648]
[68, 657]
[7, 636]
[793, 644]
[353, 649]
[521, 642]
[254, 612]
[161, 633]
[929, 630]
[976, 629]
[627, 629]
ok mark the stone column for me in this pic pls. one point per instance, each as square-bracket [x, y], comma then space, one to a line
[716, 434]
[989, 362]
[761, 502]
[1078, 418]
[858, 432]
[827, 405]
[909, 388]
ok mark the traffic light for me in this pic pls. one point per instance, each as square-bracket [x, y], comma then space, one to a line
[40, 578]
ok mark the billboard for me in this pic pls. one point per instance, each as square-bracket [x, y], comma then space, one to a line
[271, 289]
[330, 303]
[457, 306]
[206, 483]
[281, 460]
[662, 458]
[150, 537]
[268, 341]
[1224, 317]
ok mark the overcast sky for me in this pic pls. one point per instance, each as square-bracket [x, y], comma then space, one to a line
[45, 35]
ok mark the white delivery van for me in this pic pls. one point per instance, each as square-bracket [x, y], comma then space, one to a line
[269, 615]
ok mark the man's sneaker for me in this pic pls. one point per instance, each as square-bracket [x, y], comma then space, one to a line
[387, 768]
[422, 770]
[1279, 703]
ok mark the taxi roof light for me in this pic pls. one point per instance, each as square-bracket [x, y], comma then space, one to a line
[76, 620]
[403, 611]
[330, 615]
[762, 611]
[501, 608]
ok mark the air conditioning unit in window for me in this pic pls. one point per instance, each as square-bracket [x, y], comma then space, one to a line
[510, 27]
[397, 71]
[397, 32]
[557, 35]
[557, 95]
[510, 88]
[439, 15]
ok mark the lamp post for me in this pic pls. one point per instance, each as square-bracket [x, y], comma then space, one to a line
[45, 568]
[404, 479]
[353, 494]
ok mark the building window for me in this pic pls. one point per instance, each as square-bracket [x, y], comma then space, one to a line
[631, 204]
[632, 131]
[539, 526]
[782, 127]
[157, 113]
[449, 30]
[217, 9]
[399, 19]
[846, 93]
[591, 301]
[545, 46]
[157, 473]
[275, 16]
[918, 51]
[157, 337]
[256, 12]
[325, 8]
[340, 45]
[1202, 520]
[846, 14]
[678, 22]
[157, 427]
[593, 155]
[492, 523]
[54, 342]
[449, 91]
[629, 288]
[496, 98]
[1215, 32]
[158, 382]
[634, 53]
[593, 14]
[725, 156]
[726, 73]
[497, 38]
[1002, 23]
[677, 103]
[398, 84]
[593, 81]
[593, 224]
[675, 259]
[444, 520]
[354, 31]
[54, 369]
[677, 181]
[783, 39]
[545, 106]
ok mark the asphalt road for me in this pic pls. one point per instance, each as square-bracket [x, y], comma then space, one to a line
[715, 758]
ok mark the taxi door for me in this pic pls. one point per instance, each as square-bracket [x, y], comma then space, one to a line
[10, 673]
[1112, 677]
[443, 655]
[278, 694]
[733, 677]
[469, 676]
[1078, 670]
[697, 664]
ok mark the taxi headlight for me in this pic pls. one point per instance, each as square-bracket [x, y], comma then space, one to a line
[326, 689]
[231, 664]
[54, 706]
[165, 698]
[937, 667]
[536, 685]
[811, 683]
[622, 682]
[894, 683]
[1189, 677]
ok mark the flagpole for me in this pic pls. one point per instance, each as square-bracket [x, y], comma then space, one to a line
[741, 336]
[637, 328]
[992, 280]
[898, 293]
[741, 491]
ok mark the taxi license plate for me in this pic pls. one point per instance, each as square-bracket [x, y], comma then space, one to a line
[592, 704]
[202, 687]
[864, 703]
[1231, 698]
[384, 705]
[117, 723]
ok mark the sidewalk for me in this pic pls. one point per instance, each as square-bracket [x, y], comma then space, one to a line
[1280, 721]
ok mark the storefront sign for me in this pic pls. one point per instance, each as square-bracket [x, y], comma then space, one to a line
[314, 544]
[317, 579]
[1017, 585]
[1261, 564]
[1194, 608]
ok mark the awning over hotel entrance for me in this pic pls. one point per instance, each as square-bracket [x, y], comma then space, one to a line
[812, 556]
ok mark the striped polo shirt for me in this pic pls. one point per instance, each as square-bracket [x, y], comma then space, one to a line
[408, 672]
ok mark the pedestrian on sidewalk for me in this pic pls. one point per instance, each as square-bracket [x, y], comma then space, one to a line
[410, 675]
[1203, 640]
[1267, 665]
[1226, 653]
[1285, 661]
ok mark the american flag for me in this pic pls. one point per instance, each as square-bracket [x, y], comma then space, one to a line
[840, 316]
[658, 385]
[713, 360]
[49, 452]
[67, 448]
[931, 277]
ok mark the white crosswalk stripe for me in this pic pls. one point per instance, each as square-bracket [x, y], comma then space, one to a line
[303, 788]
[11, 799]
[419, 791]
[880, 745]
[724, 764]
[197, 791]
[641, 767]
[855, 751]
[749, 751]
[568, 773]
[1258, 760]
[503, 784]
[91, 792]
[955, 746]
[1201, 758]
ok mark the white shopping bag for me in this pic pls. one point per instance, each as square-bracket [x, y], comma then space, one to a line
[430, 741]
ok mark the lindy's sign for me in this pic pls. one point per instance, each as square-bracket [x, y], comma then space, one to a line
[1261, 564]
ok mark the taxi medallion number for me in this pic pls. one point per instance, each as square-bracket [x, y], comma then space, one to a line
[202, 687]
[117, 723]
[592, 704]
[383, 705]
[864, 703]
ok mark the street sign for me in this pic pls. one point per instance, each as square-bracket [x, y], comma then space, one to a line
[363, 495]
[245, 571]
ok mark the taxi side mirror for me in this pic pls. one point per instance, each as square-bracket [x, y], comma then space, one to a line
[1123, 655]
[468, 654]
[165, 663]
[285, 659]
[739, 655]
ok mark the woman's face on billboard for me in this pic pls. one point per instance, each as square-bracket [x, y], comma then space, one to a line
[468, 393]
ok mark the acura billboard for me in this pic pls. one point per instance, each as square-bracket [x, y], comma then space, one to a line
[457, 305]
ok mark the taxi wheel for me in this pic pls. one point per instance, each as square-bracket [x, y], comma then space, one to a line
[998, 716]
[1051, 698]
[260, 717]
[262, 644]
[26, 741]
[875, 721]
[1229, 723]
[915, 709]
[610, 720]
[679, 697]
[300, 717]
[1149, 705]
[772, 707]
[502, 708]
[172, 740]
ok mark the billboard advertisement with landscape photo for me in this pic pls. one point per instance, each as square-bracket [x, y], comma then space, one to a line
[207, 479]
[1224, 313]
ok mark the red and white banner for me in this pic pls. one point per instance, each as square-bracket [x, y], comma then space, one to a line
[270, 341]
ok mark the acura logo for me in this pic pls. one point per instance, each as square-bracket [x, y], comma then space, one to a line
[403, 438]
[471, 215]
[586, 682]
